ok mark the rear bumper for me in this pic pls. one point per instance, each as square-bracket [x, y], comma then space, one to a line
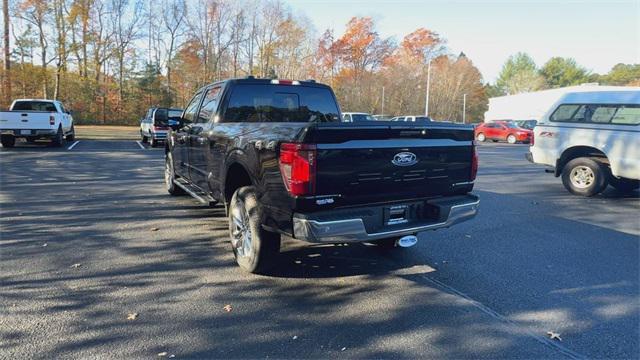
[451, 210]
[528, 156]
[28, 132]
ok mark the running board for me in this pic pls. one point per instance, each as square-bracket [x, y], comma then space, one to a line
[195, 192]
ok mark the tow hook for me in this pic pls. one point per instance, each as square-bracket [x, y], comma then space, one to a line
[407, 241]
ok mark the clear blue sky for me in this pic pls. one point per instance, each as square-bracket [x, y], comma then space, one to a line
[598, 34]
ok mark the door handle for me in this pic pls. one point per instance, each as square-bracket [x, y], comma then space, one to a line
[202, 140]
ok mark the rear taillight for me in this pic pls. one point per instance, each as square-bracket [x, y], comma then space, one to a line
[298, 168]
[52, 120]
[474, 163]
[532, 138]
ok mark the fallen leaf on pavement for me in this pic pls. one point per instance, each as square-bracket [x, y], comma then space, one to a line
[154, 229]
[343, 349]
[75, 266]
[554, 336]
[228, 308]
[44, 245]
[295, 337]
[132, 316]
[162, 354]
[467, 235]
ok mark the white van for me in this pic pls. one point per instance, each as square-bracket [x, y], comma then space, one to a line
[592, 139]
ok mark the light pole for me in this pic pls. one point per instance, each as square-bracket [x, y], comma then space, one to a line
[382, 113]
[464, 108]
[426, 105]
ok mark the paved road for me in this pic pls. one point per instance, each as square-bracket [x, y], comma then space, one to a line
[536, 259]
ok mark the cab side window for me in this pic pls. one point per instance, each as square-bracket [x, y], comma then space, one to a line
[209, 105]
[190, 112]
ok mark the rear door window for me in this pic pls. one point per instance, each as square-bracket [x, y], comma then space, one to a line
[280, 103]
[597, 114]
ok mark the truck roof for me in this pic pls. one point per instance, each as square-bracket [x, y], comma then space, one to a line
[42, 100]
[254, 80]
[631, 96]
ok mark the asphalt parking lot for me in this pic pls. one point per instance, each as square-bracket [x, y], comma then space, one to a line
[89, 236]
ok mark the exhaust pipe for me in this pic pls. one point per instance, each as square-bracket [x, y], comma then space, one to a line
[407, 241]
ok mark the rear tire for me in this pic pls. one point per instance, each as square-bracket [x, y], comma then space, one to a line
[511, 139]
[58, 140]
[153, 142]
[8, 141]
[256, 250]
[584, 176]
[624, 185]
[481, 137]
[170, 177]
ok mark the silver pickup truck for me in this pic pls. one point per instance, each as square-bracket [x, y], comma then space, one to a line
[34, 119]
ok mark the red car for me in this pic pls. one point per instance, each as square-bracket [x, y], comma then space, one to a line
[503, 130]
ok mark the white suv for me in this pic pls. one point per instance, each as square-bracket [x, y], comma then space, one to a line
[592, 139]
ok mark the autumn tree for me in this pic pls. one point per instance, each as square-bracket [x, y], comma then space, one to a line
[6, 80]
[38, 13]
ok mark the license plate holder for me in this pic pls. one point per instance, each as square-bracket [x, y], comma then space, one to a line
[25, 132]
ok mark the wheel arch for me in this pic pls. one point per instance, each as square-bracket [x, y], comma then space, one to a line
[576, 152]
[236, 177]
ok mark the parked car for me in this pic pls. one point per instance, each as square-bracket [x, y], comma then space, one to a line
[526, 124]
[34, 119]
[382, 117]
[155, 125]
[356, 117]
[591, 139]
[502, 130]
[277, 155]
[411, 118]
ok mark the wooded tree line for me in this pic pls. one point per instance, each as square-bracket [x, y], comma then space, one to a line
[109, 60]
[521, 74]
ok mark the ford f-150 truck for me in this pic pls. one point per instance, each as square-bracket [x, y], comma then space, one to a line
[277, 155]
[34, 119]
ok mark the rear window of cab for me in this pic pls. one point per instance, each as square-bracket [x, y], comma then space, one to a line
[281, 103]
[614, 114]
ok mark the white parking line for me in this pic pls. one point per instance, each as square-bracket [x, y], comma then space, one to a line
[139, 144]
[72, 145]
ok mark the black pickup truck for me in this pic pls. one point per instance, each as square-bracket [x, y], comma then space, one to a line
[276, 154]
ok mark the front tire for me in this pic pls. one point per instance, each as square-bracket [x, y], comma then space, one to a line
[584, 176]
[256, 250]
[481, 137]
[153, 142]
[8, 141]
[170, 176]
[511, 139]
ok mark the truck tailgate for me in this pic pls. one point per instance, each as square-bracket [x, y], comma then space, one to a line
[390, 162]
[32, 120]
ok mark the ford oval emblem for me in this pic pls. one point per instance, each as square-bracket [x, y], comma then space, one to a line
[404, 159]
